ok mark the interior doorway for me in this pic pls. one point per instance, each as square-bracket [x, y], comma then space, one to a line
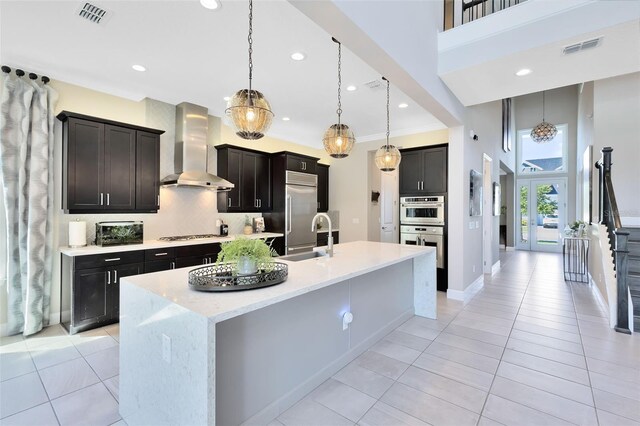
[487, 214]
[507, 208]
[541, 213]
[389, 211]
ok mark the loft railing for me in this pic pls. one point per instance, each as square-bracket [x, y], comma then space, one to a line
[472, 10]
[618, 237]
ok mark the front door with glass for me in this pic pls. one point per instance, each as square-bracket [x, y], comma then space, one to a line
[542, 214]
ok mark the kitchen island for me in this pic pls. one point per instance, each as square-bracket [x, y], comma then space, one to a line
[196, 358]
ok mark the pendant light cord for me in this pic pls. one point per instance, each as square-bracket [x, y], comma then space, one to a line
[339, 110]
[543, 106]
[250, 39]
[387, 113]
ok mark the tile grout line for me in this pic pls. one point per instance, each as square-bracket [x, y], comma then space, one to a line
[505, 348]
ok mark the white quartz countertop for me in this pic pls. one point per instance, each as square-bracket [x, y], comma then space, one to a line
[153, 244]
[349, 260]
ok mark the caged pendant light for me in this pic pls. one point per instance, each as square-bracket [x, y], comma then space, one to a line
[388, 156]
[339, 139]
[249, 109]
[543, 132]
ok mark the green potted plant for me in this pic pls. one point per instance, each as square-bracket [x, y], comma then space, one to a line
[247, 254]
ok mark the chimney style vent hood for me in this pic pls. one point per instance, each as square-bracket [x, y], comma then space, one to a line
[192, 125]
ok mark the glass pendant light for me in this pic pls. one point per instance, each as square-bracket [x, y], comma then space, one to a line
[249, 109]
[339, 139]
[543, 132]
[388, 156]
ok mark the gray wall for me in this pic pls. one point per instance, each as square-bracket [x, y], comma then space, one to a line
[561, 106]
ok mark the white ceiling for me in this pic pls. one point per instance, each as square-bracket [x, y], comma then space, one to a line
[198, 55]
[478, 60]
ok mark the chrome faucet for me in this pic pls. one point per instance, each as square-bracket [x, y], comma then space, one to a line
[330, 239]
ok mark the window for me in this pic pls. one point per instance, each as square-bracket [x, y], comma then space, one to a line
[542, 158]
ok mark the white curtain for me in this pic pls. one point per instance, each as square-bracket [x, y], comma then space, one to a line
[26, 166]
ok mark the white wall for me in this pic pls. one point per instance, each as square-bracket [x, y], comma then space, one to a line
[616, 115]
[561, 106]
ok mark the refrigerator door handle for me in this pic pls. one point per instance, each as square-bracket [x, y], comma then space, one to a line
[289, 208]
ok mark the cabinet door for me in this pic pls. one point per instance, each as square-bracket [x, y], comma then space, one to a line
[230, 168]
[113, 290]
[263, 182]
[84, 165]
[147, 171]
[301, 164]
[434, 170]
[159, 265]
[119, 167]
[90, 288]
[248, 198]
[323, 188]
[411, 173]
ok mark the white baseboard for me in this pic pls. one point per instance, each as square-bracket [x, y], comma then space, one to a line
[466, 294]
[495, 268]
[510, 248]
[596, 291]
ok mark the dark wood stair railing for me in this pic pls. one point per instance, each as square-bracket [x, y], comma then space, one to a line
[618, 237]
[475, 9]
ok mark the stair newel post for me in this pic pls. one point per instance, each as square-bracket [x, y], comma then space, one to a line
[605, 171]
[622, 254]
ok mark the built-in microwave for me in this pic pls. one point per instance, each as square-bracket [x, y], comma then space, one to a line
[422, 210]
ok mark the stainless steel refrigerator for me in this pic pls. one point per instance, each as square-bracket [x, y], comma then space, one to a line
[301, 204]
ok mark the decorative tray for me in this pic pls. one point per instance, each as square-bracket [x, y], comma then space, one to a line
[224, 277]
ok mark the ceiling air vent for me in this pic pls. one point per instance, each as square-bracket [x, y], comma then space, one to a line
[374, 84]
[589, 44]
[93, 13]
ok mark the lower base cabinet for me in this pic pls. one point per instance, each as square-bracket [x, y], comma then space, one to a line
[91, 288]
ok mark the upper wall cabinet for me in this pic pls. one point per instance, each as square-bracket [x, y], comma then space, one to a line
[250, 172]
[323, 188]
[424, 171]
[109, 167]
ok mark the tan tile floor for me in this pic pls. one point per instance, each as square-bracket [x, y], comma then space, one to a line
[529, 349]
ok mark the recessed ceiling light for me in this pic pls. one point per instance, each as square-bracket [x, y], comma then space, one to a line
[403, 105]
[285, 119]
[298, 56]
[226, 98]
[210, 4]
[351, 88]
[523, 72]
[138, 68]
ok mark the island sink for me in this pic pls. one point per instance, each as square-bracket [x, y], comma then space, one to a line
[304, 256]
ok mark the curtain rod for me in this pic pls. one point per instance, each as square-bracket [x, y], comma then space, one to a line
[20, 73]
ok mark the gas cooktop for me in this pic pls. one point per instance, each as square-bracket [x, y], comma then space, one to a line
[191, 237]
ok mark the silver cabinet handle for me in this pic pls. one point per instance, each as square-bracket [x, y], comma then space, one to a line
[115, 276]
[161, 254]
[172, 265]
[158, 199]
[418, 185]
[107, 198]
[422, 185]
[113, 259]
[289, 208]
[260, 202]
[108, 277]
[101, 198]
[229, 202]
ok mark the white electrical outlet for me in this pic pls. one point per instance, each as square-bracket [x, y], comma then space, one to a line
[166, 349]
[471, 225]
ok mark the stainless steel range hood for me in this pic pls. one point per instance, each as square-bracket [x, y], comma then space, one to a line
[192, 125]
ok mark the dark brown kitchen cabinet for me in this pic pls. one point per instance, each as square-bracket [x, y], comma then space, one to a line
[196, 255]
[323, 187]
[250, 172]
[423, 171]
[91, 288]
[322, 238]
[109, 167]
[301, 163]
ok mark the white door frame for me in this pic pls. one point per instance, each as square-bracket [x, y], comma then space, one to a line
[389, 193]
[532, 201]
[487, 214]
